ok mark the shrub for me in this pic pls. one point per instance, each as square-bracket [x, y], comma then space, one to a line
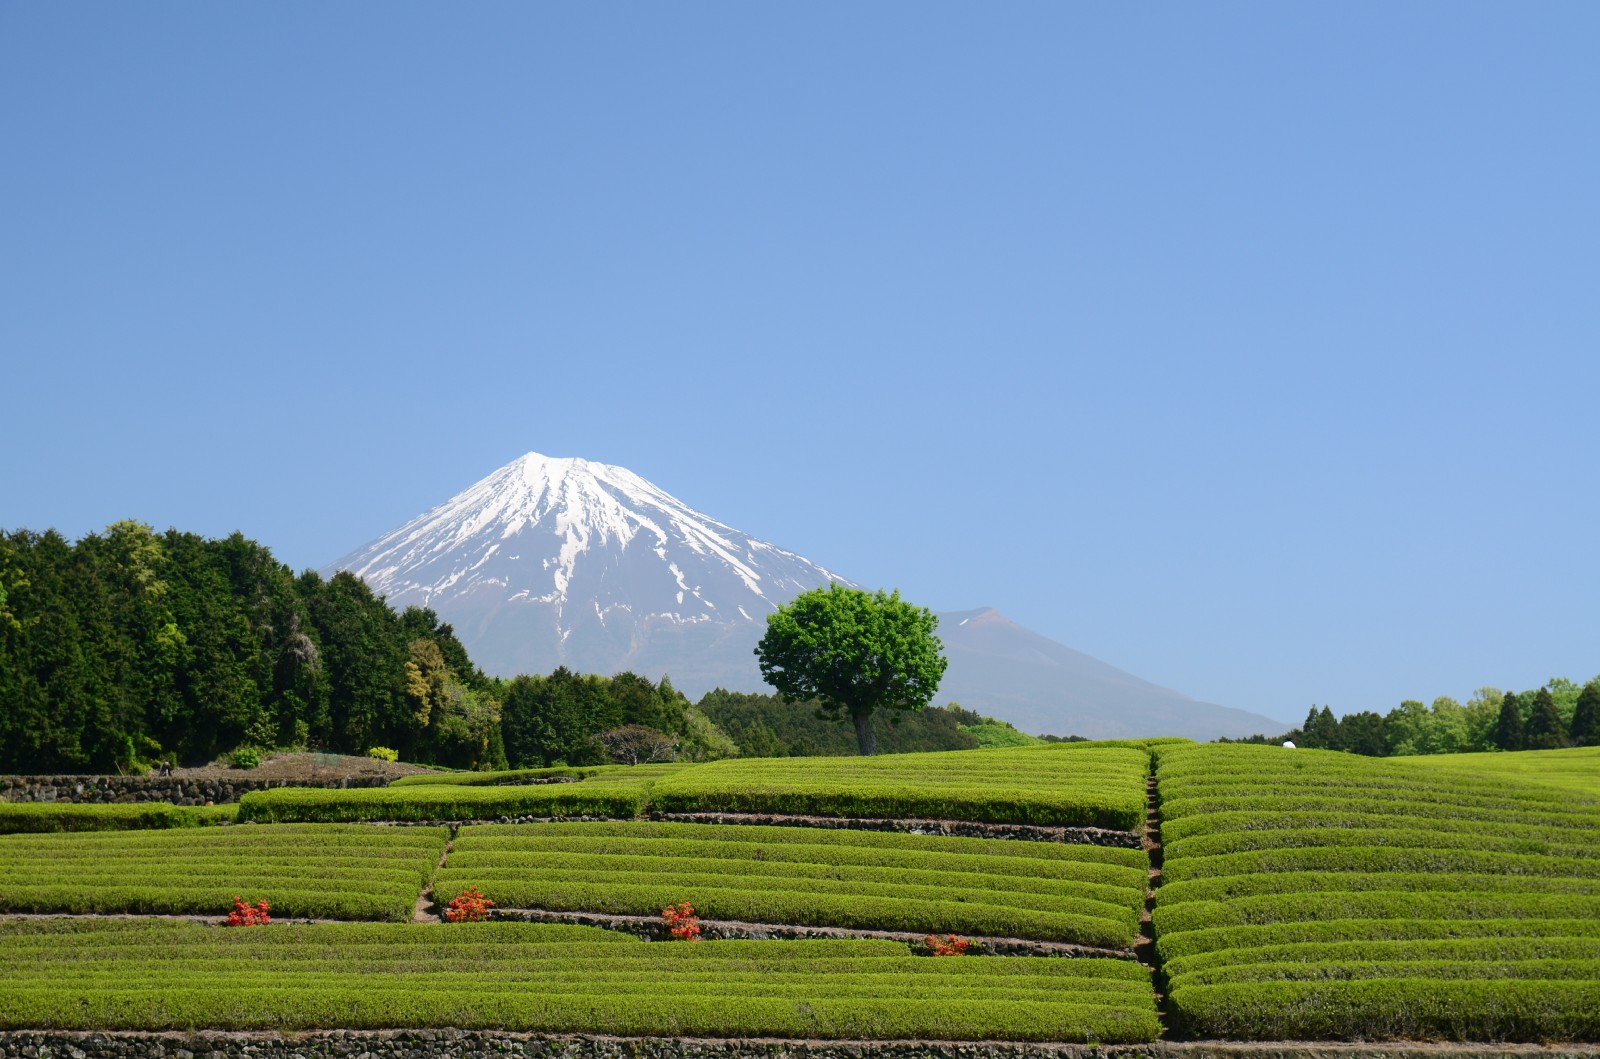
[681, 921]
[383, 753]
[245, 757]
[469, 906]
[949, 945]
[245, 915]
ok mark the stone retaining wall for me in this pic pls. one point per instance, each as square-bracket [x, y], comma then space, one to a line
[489, 1044]
[175, 789]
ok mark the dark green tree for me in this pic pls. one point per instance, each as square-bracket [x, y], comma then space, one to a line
[1364, 733]
[1509, 731]
[853, 652]
[1586, 716]
[1545, 729]
[1321, 730]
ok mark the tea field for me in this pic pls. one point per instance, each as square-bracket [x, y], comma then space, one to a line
[1301, 895]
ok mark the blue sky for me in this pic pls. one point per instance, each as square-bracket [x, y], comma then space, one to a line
[1253, 348]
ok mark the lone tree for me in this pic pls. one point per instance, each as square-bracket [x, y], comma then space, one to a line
[853, 652]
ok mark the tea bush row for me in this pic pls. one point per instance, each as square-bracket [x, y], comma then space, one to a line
[439, 802]
[340, 872]
[1309, 894]
[299, 977]
[1068, 785]
[860, 880]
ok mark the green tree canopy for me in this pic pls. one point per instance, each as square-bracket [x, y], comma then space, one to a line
[853, 652]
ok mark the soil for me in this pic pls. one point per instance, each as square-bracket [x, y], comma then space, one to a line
[304, 766]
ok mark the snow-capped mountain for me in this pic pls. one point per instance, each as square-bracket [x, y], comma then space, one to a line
[552, 562]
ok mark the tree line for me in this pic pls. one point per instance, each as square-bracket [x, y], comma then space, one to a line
[132, 647]
[1559, 714]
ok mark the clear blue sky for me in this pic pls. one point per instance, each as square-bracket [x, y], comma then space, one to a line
[1254, 348]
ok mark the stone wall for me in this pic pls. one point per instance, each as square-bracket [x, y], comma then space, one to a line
[492, 1044]
[174, 789]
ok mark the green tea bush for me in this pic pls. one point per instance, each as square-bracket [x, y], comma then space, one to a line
[46, 817]
[442, 802]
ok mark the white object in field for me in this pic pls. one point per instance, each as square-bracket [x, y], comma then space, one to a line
[1288, 744]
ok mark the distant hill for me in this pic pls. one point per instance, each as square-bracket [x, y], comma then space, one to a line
[998, 667]
[551, 562]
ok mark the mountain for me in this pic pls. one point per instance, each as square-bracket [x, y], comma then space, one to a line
[550, 562]
[999, 668]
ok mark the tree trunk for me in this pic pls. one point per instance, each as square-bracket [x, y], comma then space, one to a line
[866, 741]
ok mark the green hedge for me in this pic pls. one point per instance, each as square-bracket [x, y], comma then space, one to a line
[1172, 947]
[446, 802]
[1490, 952]
[1099, 786]
[1389, 1009]
[294, 978]
[492, 779]
[776, 839]
[1415, 835]
[1079, 922]
[322, 871]
[47, 817]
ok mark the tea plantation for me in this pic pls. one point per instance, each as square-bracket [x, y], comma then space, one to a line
[1301, 895]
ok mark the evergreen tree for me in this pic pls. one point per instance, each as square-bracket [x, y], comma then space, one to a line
[1545, 730]
[1586, 716]
[1509, 733]
[1321, 730]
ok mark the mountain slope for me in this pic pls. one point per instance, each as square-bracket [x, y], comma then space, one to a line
[551, 562]
[999, 668]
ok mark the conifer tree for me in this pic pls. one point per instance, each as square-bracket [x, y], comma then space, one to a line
[1509, 733]
[1545, 729]
[1586, 716]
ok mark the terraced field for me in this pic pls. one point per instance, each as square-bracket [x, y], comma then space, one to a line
[153, 976]
[1313, 895]
[328, 872]
[1304, 895]
[1097, 785]
[1089, 895]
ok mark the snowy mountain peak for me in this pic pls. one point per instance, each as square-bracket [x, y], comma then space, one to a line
[588, 547]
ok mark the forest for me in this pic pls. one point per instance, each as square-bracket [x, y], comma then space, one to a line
[1559, 714]
[132, 647]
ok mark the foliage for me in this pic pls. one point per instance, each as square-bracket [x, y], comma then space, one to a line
[856, 879]
[949, 945]
[681, 922]
[248, 915]
[1067, 784]
[383, 753]
[557, 719]
[432, 803]
[326, 872]
[45, 817]
[469, 906]
[763, 725]
[537, 978]
[854, 653]
[130, 646]
[245, 757]
[1377, 899]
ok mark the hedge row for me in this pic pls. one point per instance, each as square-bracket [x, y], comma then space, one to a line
[1457, 951]
[46, 817]
[1413, 837]
[1309, 894]
[283, 978]
[339, 872]
[1099, 786]
[510, 837]
[494, 779]
[446, 802]
[861, 880]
